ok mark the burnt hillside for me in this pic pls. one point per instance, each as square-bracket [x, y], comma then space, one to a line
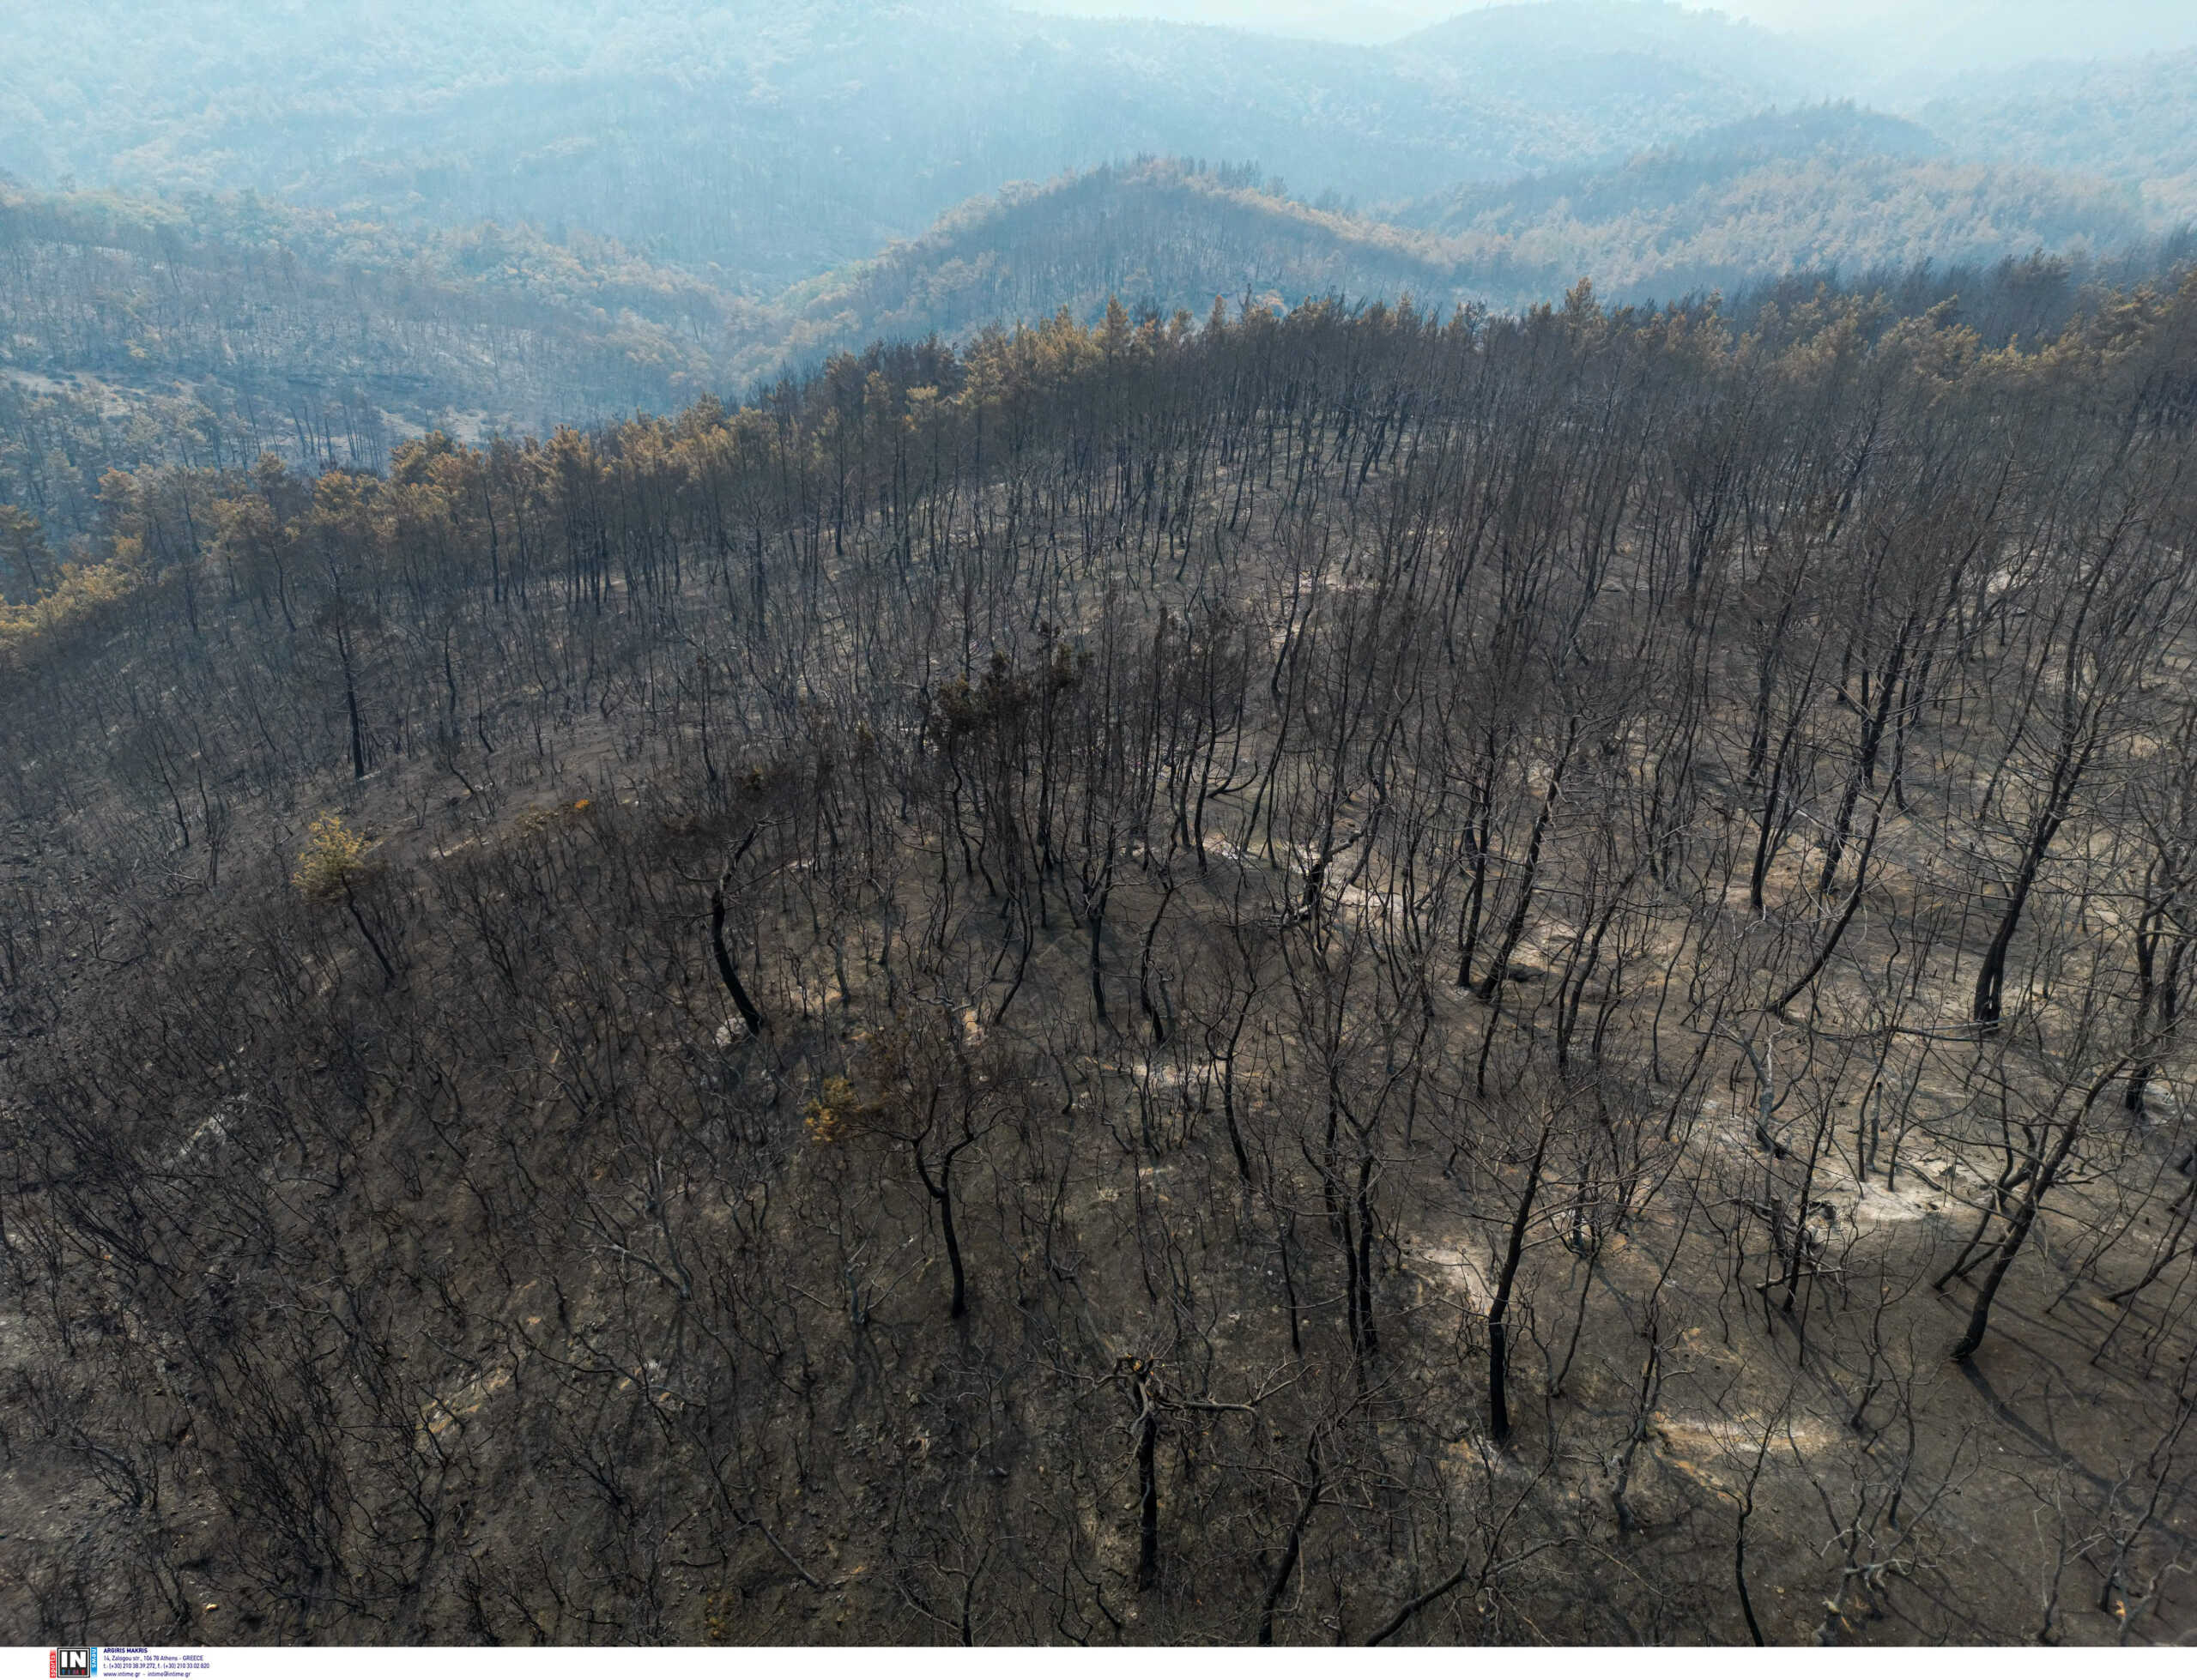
[1322, 978]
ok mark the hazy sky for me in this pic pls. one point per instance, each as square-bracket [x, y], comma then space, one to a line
[1995, 29]
[1374, 20]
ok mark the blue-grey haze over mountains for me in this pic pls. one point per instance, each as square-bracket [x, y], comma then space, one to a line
[1932, 38]
[665, 196]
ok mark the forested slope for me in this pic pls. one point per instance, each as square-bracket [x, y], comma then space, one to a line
[1822, 191]
[1334, 977]
[206, 331]
[2133, 120]
[1156, 234]
[1826, 187]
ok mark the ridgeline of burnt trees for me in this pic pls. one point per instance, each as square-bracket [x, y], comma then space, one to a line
[1328, 977]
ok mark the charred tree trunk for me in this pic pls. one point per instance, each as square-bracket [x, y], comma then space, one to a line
[1499, 1364]
[727, 973]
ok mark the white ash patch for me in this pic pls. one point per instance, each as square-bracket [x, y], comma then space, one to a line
[1458, 1270]
[1873, 1204]
[211, 1133]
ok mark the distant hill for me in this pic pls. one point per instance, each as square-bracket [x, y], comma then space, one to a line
[1667, 176]
[760, 144]
[1630, 67]
[2133, 120]
[206, 330]
[1949, 46]
[1828, 187]
[1159, 234]
[775, 141]
[203, 330]
[1820, 190]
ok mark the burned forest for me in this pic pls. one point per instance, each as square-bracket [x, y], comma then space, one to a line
[1339, 975]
